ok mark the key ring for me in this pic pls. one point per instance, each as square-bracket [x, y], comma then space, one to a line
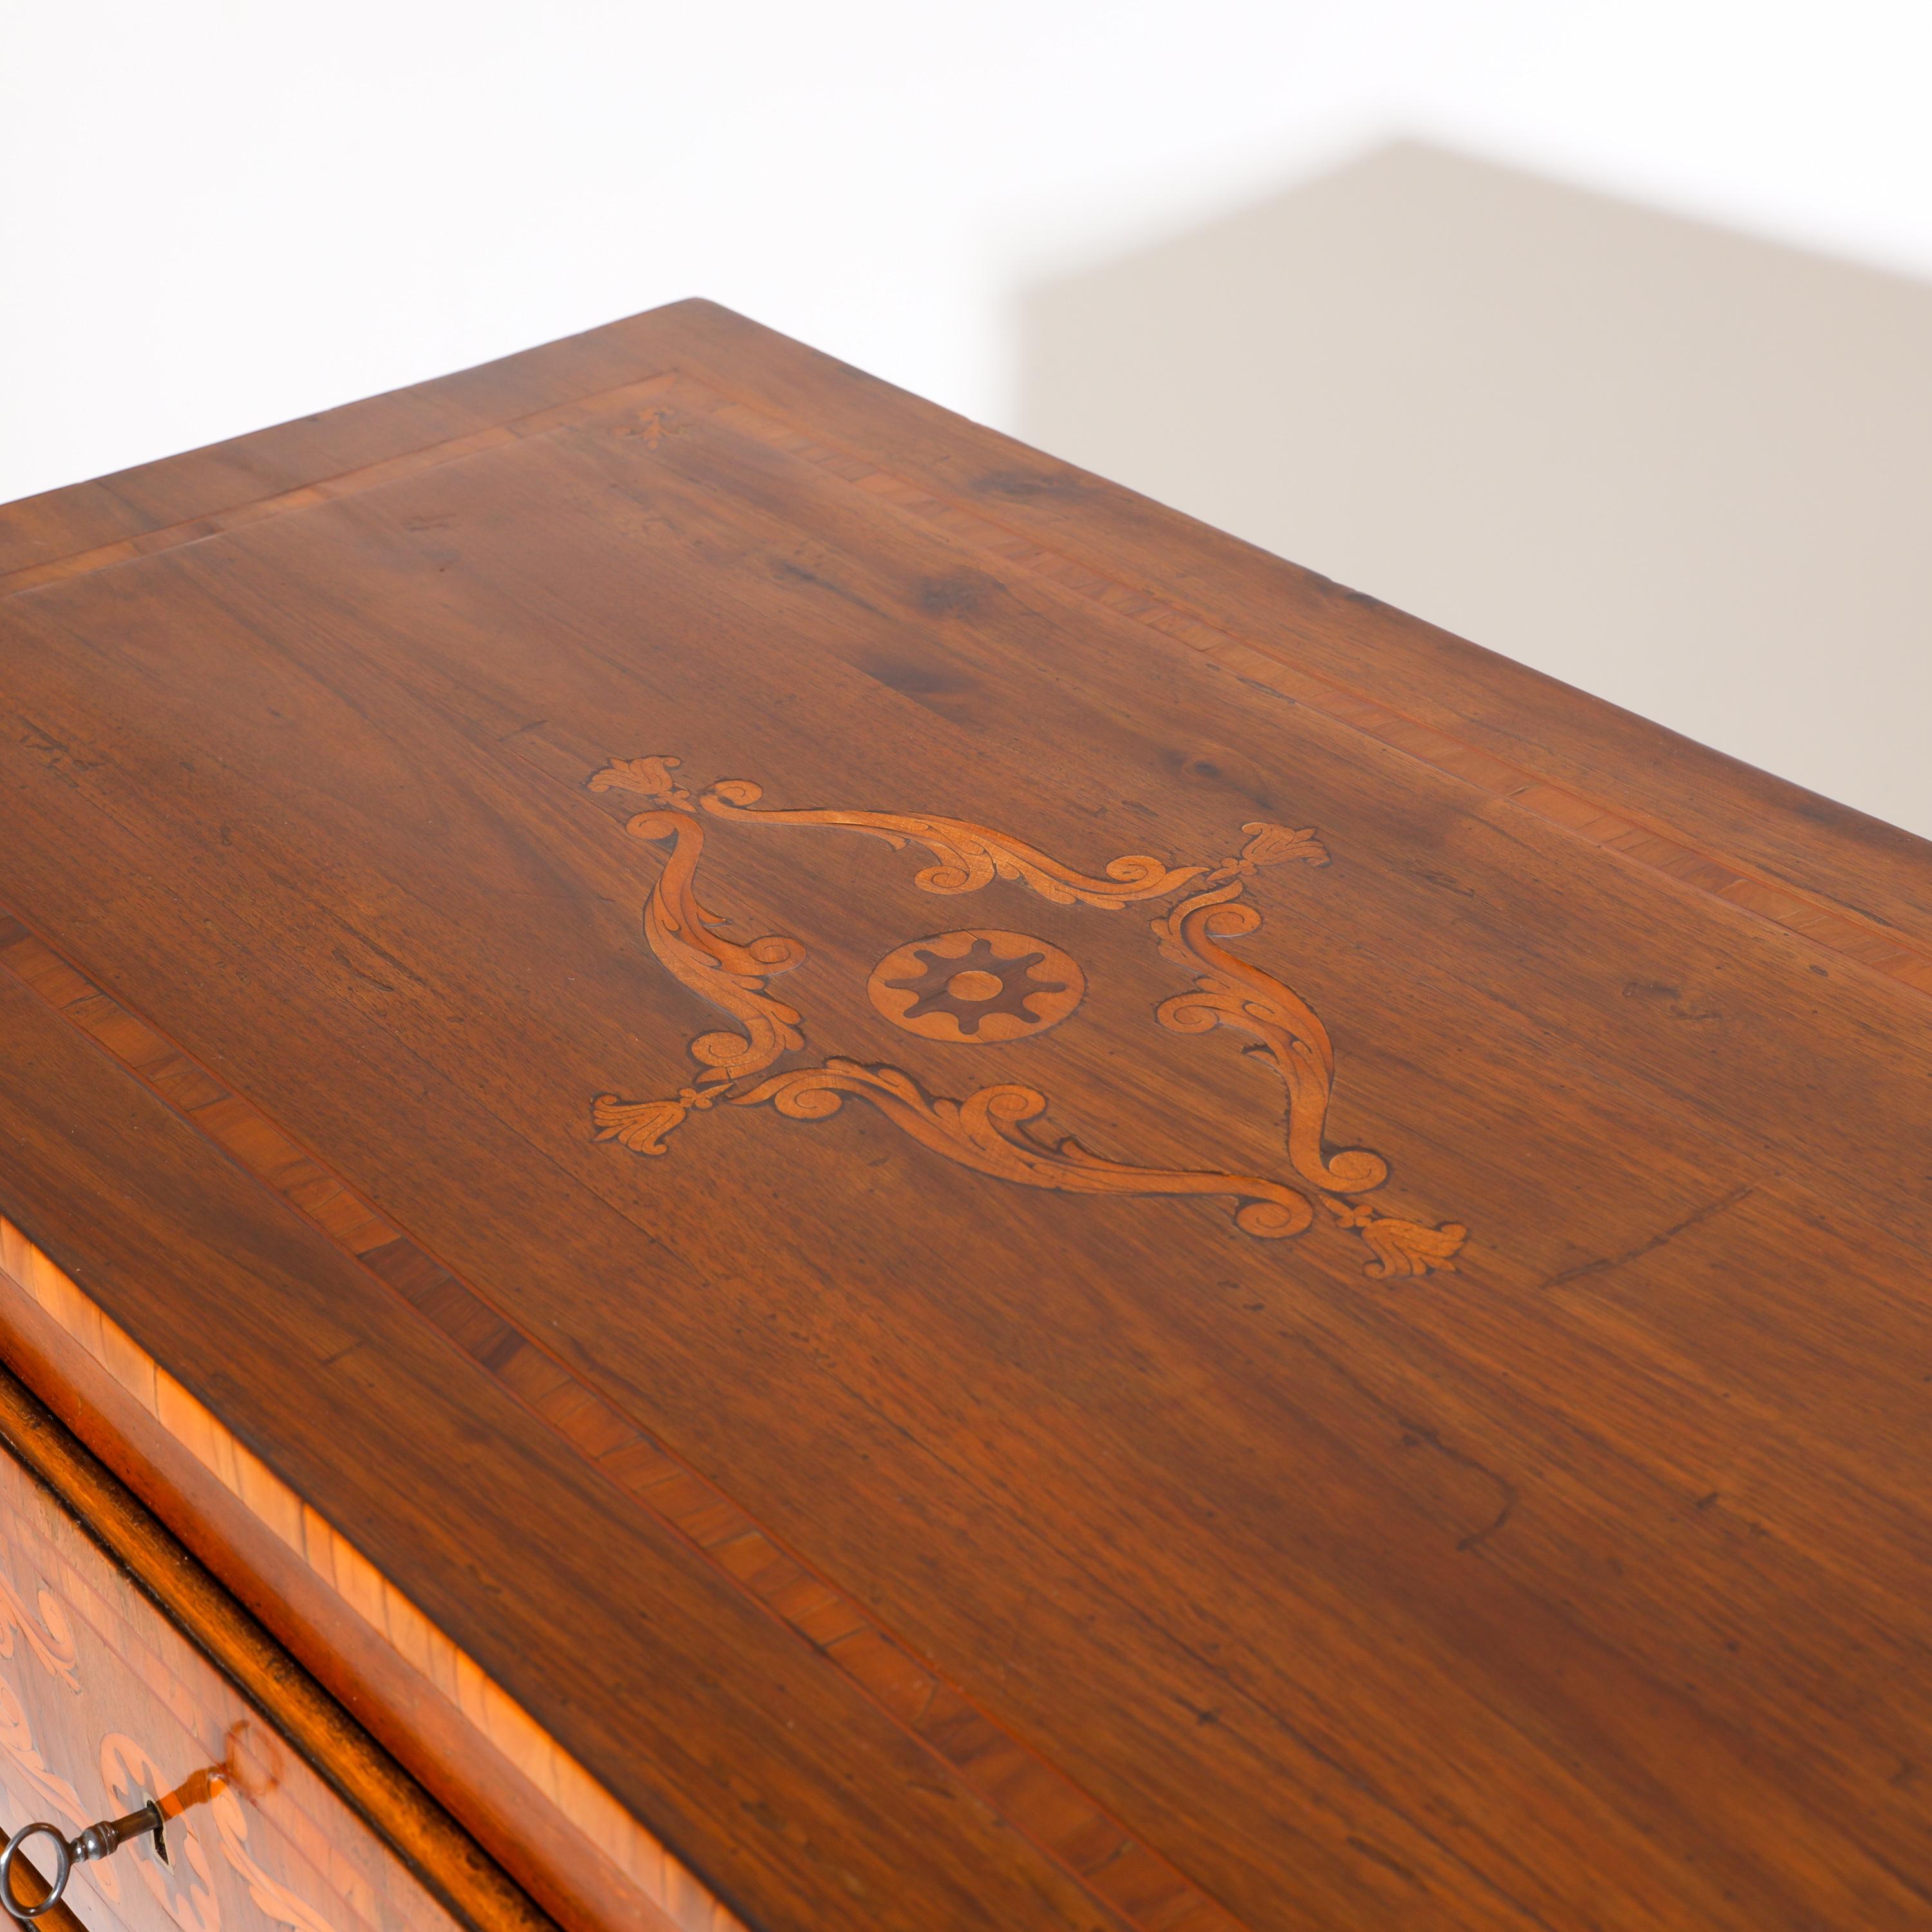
[56, 1883]
[99, 1841]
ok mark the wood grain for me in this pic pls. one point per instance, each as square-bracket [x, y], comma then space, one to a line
[1656, 782]
[1636, 837]
[887, 1535]
[1029, 1793]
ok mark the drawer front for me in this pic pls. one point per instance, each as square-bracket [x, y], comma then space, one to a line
[104, 1705]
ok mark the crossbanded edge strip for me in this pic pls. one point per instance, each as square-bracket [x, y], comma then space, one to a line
[1139, 1887]
[1638, 839]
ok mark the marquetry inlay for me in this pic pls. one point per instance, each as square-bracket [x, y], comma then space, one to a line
[959, 987]
[977, 987]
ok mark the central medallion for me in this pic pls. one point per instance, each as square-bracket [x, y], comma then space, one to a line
[976, 988]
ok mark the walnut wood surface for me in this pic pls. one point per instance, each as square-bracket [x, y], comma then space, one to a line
[908, 1517]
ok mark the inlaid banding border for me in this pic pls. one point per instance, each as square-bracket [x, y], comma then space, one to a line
[1137, 1888]
[1636, 837]
[1658, 848]
[1041, 1803]
[350, 483]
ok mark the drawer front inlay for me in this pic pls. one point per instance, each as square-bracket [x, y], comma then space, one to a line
[104, 1705]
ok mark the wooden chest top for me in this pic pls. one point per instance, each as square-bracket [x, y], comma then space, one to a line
[1032, 1222]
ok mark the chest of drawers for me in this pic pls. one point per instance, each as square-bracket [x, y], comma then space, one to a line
[819, 1178]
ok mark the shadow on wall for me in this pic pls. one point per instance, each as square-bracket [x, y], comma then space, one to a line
[1688, 471]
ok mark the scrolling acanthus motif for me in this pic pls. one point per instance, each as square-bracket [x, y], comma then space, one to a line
[683, 937]
[991, 1130]
[987, 1130]
[966, 857]
[49, 1636]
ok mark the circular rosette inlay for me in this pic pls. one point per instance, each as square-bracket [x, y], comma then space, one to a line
[976, 988]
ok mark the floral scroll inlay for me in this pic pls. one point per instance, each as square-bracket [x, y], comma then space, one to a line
[938, 987]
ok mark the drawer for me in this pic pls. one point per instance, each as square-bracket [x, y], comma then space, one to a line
[105, 1704]
[527, 1840]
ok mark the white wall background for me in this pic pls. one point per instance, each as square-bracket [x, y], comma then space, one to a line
[216, 216]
